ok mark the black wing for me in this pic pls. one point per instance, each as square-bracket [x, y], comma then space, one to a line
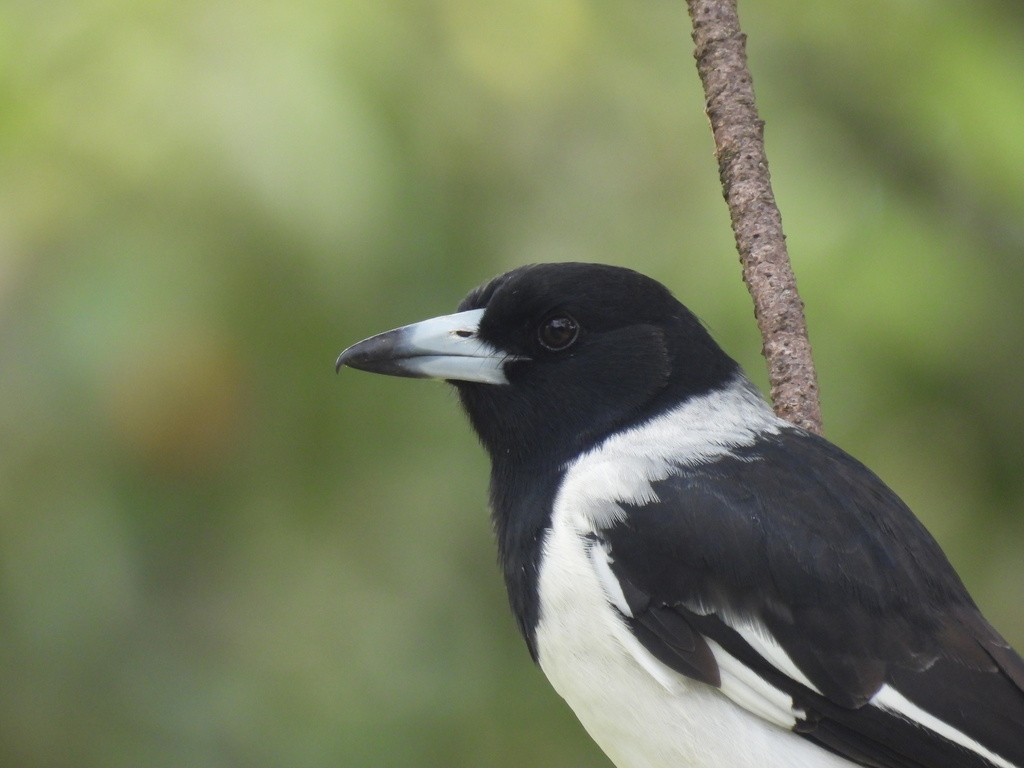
[828, 562]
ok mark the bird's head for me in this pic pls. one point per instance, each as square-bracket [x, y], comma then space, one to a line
[548, 359]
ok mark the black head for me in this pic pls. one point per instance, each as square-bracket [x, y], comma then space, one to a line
[592, 348]
[549, 359]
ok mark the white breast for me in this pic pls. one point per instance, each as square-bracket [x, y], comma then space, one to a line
[639, 711]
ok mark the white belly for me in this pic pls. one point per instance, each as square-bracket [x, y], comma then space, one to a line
[639, 711]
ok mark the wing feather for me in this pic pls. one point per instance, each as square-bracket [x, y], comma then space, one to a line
[794, 562]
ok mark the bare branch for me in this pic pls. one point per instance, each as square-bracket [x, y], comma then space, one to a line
[756, 221]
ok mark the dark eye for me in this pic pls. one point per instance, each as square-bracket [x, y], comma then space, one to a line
[558, 332]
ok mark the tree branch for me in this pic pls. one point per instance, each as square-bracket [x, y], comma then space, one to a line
[756, 221]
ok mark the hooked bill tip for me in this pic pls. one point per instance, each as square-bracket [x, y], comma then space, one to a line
[351, 356]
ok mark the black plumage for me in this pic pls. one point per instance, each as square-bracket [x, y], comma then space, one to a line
[794, 535]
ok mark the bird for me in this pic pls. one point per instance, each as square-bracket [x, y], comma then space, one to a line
[703, 582]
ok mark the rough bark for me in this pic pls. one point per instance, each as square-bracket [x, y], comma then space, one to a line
[756, 221]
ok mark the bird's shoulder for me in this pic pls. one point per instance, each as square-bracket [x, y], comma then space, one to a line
[726, 537]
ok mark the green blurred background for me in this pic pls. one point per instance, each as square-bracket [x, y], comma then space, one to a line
[215, 552]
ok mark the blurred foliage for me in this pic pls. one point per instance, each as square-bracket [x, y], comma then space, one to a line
[214, 552]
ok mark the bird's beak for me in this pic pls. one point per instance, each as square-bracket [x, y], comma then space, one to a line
[440, 348]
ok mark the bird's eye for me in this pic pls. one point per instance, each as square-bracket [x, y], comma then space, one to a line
[558, 332]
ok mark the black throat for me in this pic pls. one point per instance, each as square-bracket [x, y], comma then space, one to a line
[522, 501]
